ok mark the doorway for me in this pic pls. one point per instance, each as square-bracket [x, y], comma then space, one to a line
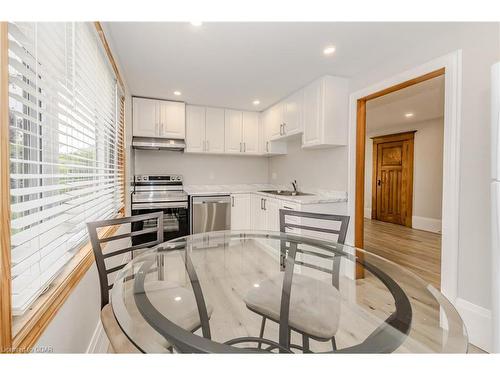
[386, 216]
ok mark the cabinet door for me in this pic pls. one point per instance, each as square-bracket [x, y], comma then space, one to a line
[233, 131]
[172, 119]
[272, 207]
[145, 119]
[312, 106]
[250, 132]
[241, 208]
[274, 121]
[292, 113]
[259, 217]
[195, 129]
[214, 130]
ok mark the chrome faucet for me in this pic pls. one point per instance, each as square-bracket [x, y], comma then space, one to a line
[295, 186]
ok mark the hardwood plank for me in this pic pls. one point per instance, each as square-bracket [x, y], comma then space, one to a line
[417, 250]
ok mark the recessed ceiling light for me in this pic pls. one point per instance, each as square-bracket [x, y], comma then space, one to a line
[177, 93]
[329, 50]
[409, 114]
[177, 298]
[196, 23]
[256, 102]
[256, 285]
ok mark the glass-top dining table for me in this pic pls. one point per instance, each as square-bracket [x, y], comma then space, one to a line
[269, 292]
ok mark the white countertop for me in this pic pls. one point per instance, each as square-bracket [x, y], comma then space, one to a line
[317, 196]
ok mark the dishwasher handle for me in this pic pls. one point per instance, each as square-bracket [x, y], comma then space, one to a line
[212, 199]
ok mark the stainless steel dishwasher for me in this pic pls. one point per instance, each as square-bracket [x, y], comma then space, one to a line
[210, 213]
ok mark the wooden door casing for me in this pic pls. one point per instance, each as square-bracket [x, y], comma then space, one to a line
[392, 181]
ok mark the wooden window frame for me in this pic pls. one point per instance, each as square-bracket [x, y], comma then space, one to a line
[46, 306]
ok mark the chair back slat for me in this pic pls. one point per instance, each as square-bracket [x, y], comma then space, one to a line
[100, 257]
[341, 232]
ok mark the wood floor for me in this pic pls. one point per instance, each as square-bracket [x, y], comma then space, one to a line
[417, 250]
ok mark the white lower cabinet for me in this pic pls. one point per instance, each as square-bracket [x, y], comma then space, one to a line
[241, 211]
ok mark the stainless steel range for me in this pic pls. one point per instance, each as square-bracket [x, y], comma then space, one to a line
[161, 193]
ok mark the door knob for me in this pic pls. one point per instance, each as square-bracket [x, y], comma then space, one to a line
[379, 182]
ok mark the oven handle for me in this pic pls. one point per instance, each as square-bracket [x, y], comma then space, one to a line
[147, 206]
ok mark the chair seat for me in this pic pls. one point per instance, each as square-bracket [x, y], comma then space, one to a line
[118, 340]
[164, 296]
[314, 304]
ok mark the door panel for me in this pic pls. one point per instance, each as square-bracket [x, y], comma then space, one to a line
[251, 132]
[195, 128]
[172, 119]
[393, 179]
[215, 130]
[233, 130]
[146, 117]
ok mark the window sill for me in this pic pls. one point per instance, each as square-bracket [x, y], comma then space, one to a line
[30, 326]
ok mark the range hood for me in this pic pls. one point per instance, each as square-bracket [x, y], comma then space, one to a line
[147, 143]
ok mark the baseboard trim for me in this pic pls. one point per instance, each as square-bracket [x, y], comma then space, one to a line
[478, 321]
[99, 342]
[368, 212]
[426, 223]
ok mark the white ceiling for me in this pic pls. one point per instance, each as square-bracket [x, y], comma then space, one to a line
[231, 64]
[425, 100]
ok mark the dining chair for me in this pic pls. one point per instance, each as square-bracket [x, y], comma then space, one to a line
[314, 314]
[106, 268]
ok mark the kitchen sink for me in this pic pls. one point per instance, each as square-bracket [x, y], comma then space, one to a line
[284, 192]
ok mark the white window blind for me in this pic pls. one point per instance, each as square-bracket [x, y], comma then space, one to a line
[66, 162]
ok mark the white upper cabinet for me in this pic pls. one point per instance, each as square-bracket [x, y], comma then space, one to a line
[204, 129]
[214, 130]
[274, 121]
[195, 129]
[159, 118]
[325, 113]
[146, 117]
[234, 131]
[242, 132]
[172, 119]
[292, 114]
[250, 136]
[268, 130]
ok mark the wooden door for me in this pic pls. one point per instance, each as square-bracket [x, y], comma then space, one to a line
[392, 183]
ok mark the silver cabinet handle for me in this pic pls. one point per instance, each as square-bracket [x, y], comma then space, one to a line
[281, 129]
[232, 201]
[267, 146]
[261, 203]
[284, 128]
[265, 200]
[240, 146]
[244, 147]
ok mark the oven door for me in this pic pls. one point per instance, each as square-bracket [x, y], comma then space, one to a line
[175, 220]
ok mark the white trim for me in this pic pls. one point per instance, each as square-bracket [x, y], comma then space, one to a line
[368, 212]
[99, 342]
[452, 63]
[428, 224]
[478, 321]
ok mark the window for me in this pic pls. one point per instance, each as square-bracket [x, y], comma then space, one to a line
[66, 148]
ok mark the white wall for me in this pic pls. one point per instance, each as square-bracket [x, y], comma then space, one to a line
[203, 169]
[321, 169]
[427, 173]
[73, 327]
